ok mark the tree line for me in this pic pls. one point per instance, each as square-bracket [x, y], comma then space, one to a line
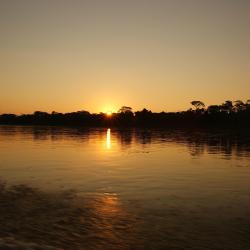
[228, 114]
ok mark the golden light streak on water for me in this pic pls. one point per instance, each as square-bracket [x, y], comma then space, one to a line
[108, 140]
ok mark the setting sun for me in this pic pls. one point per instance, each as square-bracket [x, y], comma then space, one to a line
[109, 113]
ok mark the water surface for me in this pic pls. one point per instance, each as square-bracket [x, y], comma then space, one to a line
[143, 189]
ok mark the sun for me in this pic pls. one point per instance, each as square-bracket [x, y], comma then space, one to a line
[109, 113]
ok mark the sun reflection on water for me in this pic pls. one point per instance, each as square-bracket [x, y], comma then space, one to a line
[108, 140]
[113, 226]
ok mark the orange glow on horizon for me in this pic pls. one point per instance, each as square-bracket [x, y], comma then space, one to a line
[109, 113]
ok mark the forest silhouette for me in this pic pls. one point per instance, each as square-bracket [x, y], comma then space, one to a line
[227, 115]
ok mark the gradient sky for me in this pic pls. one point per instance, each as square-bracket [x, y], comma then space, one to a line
[98, 55]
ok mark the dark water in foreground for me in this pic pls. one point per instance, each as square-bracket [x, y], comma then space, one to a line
[125, 189]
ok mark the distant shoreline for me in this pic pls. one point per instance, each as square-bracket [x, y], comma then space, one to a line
[227, 115]
[184, 120]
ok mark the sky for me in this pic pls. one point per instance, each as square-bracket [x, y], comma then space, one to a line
[98, 55]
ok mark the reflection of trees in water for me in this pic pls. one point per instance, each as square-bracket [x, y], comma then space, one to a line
[196, 149]
[227, 143]
[124, 137]
[144, 136]
[129, 136]
[223, 144]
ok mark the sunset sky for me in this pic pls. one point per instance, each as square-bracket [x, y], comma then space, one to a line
[98, 55]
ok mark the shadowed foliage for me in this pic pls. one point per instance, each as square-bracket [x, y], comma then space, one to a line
[229, 114]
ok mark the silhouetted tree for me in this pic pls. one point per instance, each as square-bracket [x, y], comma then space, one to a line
[213, 109]
[198, 105]
[224, 115]
[248, 104]
[227, 106]
[40, 114]
[143, 117]
[125, 116]
[125, 109]
[239, 105]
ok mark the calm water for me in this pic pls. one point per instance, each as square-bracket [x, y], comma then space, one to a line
[148, 189]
